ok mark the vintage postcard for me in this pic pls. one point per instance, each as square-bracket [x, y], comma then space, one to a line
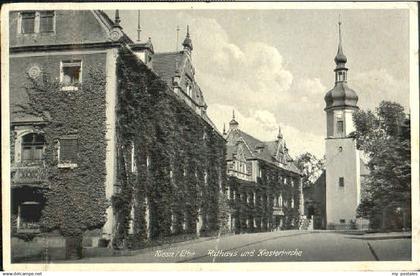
[200, 136]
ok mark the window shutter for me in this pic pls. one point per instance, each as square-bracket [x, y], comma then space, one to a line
[68, 150]
[28, 22]
[47, 21]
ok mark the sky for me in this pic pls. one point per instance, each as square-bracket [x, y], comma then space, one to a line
[274, 67]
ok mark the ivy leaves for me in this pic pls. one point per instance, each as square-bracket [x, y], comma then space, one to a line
[76, 199]
[167, 133]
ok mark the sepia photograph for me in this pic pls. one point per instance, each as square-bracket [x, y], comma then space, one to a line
[210, 133]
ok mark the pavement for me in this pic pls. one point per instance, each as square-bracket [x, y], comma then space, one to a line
[291, 245]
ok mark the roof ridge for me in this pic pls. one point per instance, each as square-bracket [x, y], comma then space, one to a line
[166, 53]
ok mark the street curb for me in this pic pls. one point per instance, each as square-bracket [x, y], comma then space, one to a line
[164, 246]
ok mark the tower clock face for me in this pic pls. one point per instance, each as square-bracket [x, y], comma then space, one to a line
[115, 35]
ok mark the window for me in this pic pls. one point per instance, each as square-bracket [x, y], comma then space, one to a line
[32, 148]
[29, 214]
[70, 75]
[341, 181]
[133, 160]
[248, 168]
[340, 127]
[27, 22]
[189, 90]
[31, 22]
[342, 221]
[46, 24]
[68, 152]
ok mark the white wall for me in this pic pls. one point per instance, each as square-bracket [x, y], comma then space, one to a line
[342, 202]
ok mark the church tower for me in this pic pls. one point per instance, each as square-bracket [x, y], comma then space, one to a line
[342, 157]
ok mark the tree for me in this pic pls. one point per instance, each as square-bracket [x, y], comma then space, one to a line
[310, 166]
[384, 136]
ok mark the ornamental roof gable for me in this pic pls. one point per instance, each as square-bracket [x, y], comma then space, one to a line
[75, 27]
[177, 70]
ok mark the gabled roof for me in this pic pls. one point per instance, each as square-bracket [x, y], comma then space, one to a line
[19, 99]
[109, 23]
[166, 65]
[265, 151]
[170, 64]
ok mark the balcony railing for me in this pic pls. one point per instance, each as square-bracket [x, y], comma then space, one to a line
[28, 175]
[278, 210]
[28, 227]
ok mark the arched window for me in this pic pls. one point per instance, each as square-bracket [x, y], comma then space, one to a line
[32, 148]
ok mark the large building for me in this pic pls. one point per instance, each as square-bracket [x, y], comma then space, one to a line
[264, 186]
[108, 138]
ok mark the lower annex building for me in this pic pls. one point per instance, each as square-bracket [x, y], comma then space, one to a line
[264, 187]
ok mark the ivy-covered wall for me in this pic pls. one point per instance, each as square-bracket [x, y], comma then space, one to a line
[179, 161]
[75, 199]
[269, 185]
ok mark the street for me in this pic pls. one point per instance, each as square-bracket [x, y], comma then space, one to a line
[292, 245]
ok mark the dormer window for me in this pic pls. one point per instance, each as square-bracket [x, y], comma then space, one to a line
[46, 23]
[32, 22]
[189, 90]
[27, 22]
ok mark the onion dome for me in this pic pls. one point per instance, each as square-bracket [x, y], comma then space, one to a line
[340, 58]
[341, 96]
[187, 41]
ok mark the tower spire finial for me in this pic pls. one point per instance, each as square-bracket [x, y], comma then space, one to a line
[224, 129]
[340, 59]
[279, 134]
[177, 37]
[138, 26]
[117, 18]
[233, 124]
[339, 31]
[187, 41]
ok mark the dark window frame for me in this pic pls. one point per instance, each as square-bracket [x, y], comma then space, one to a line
[45, 15]
[32, 146]
[71, 68]
[341, 181]
[27, 17]
[71, 153]
[340, 126]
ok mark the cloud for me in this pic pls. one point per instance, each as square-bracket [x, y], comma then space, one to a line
[249, 75]
[253, 79]
[376, 85]
[263, 125]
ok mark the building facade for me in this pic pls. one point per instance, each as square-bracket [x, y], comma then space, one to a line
[264, 187]
[76, 157]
